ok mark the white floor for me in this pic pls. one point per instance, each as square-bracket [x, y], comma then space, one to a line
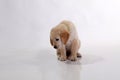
[97, 63]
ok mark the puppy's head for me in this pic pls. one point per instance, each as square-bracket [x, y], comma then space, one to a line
[58, 38]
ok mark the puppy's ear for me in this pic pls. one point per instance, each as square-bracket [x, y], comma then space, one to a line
[51, 41]
[64, 36]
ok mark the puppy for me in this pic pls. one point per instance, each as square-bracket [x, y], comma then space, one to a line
[64, 39]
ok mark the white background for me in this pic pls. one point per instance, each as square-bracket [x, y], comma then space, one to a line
[25, 27]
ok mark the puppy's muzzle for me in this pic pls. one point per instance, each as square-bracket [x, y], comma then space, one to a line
[55, 47]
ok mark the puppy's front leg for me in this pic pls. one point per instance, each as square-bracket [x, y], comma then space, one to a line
[58, 54]
[61, 54]
[74, 50]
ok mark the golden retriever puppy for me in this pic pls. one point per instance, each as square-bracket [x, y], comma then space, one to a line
[64, 39]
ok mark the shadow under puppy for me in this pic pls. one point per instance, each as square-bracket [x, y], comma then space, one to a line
[64, 39]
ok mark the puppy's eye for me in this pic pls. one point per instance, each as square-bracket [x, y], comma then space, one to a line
[57, 39]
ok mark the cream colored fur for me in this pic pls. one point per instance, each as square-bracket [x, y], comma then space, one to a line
[65, 39]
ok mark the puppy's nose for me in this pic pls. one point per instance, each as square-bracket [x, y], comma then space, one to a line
[55, 47]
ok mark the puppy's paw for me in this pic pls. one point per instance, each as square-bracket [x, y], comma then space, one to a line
[72, 58]
[79, 55]
[62, 58]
